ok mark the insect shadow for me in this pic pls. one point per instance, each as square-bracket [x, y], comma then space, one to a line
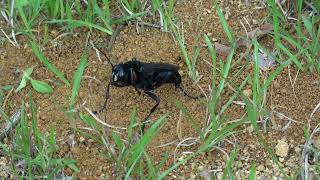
[146, 77]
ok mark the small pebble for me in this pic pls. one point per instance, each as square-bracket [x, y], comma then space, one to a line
[260, 168]
[283, 91]
[276, 84]
[200, 168]
[247, 92]
[82, 139]
[297, 149]
[281, 159]
[282, 148]
[192, 176]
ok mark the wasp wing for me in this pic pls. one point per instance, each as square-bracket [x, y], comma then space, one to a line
[158, 67]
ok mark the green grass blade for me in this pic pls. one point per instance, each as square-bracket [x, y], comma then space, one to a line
[132, 120]
[76, 81]
[228, 169]
[139, 147]
[213, 54]
[127, 18]
[120, 145]
[252, 174]
[181, 43]
[309, 26]
[76, 23]
[256, 78]
[234, 96]
[225, 71]
[132, 165]
[213, 138]
[23, 17]
[88, 120]
[150, 166]
[42, 59]
[33, 114]
[223, 22]
[177, 164]
[253, 116]
[163, 160]
[274, 75]
[291, 56]
[275, 16]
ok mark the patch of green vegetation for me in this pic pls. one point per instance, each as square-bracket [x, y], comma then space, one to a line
[3, 89]
[218, 128]
[190, 62]
[89, 14]
[1, 97]
[127, 151]
[33, 153]
[2, 113]
[165, 12]
[37, 85]
[300, 46]
[46, 63]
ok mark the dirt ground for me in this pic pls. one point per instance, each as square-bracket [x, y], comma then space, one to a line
[295, 98]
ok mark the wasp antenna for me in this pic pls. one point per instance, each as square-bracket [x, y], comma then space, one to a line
[105, 56]
[107, 59]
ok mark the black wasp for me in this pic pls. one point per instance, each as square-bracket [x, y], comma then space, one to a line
[146, 77]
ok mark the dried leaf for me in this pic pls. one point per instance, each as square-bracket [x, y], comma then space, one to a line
[265, 61]
[222, 49]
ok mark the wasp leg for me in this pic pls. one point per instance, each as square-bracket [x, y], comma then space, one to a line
[155, 98]
[107, 95]
[186, 94]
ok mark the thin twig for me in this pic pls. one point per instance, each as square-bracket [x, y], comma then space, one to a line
[13, 43]
[293, 82]
[167, 144]
[315, 109]
[101, 122]
[113, 37]
[245, 29]
[248, 23]
[12, 122]
[6, 99]
[305, 153]
[179, 126]
[181, 143]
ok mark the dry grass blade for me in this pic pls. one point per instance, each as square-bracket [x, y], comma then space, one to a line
[167, 144]
[221, 49]
[101, 122]
[256, 33]
[193, 140]
[306, 152]
[315, 109]
[6, 99]
[12, 42]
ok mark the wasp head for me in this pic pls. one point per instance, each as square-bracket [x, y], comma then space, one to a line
[120, 76]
